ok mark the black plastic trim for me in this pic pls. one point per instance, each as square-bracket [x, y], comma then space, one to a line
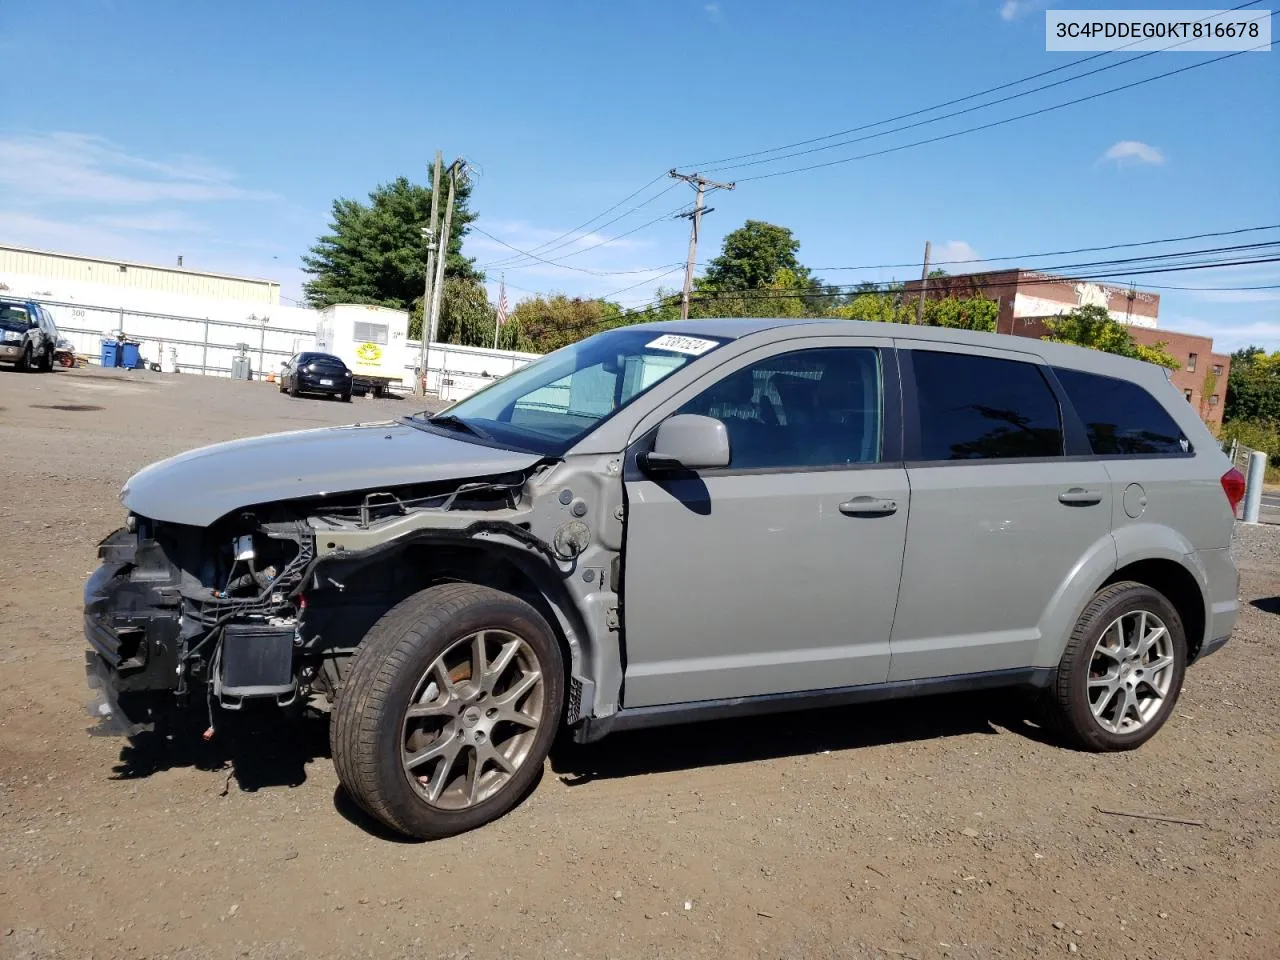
[637, 718]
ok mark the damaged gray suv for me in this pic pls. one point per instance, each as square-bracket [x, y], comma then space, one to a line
[679, 521]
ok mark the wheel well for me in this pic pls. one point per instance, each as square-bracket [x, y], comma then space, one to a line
[1178, 586]
[503, 571]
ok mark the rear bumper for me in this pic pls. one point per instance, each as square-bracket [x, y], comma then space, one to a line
[1223, 581]
[312, 384]
[1212, 646]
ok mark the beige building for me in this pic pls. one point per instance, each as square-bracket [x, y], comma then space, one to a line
[57, 271]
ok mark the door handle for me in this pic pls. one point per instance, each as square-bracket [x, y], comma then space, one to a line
[868, 507]
[1077, 497]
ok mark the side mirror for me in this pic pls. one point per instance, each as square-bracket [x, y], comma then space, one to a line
[688, 441]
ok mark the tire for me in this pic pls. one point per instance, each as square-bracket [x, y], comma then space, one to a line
[293, 389]
[46, 361]
[1092, 678]
[346, 397]
[27, 362]
[429, 638]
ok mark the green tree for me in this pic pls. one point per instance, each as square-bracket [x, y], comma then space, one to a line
[466, 315]
[752, 256]
[548, 323]
[1093, 327]
[375, 252]
[888, 306]
[1253, 387]
[964, 313]
[877, 306]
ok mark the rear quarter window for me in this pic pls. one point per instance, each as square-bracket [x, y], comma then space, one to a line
[1121, 418]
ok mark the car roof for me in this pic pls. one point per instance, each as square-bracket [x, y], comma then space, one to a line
[768, 329]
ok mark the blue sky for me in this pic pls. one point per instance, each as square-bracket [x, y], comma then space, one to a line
[223, 132]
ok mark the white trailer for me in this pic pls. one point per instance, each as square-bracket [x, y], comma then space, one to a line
[371, 340]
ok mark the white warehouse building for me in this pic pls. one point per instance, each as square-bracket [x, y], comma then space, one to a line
[198, 322]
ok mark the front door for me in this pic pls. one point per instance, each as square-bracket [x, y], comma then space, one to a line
[778, 573]
[1000, 516]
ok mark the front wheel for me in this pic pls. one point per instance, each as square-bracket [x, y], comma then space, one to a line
[448, 711]
[27, 362]
[293, 389]
[1121, 673]
[346, 396]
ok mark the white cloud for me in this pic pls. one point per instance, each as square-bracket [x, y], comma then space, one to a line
[1016, 9]
[954, 250]
[85, 167]
[1126, 152]
[1237, 296]
[28, 230]
[1227, 336]
[160, 221]
[712, 10]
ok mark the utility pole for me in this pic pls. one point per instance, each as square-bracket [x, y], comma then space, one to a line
[924, 282]
[420, 388]
[694, 216]
[431, 321]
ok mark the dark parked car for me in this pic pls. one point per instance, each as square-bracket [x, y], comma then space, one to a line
[316, 373]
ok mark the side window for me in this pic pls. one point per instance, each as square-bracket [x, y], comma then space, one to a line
[984, 408]
[808, 408]
[1122, 419]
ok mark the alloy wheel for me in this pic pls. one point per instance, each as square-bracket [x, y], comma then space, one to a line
[1130, 672]
[473, 719]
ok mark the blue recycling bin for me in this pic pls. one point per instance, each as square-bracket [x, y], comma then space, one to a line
[110, 353]
[129, 357]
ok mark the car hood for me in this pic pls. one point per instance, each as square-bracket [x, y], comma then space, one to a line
[202, 485]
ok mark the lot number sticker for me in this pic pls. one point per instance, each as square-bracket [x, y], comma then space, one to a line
[693, 346]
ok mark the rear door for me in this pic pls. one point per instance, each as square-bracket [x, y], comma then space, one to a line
[1000, 514]
[780, 572]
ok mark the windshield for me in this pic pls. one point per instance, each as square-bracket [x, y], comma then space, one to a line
[549, 405]
[13, 318]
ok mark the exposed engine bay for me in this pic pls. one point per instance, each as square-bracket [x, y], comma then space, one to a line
[270, 601]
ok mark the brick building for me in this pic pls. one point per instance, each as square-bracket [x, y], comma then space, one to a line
[1027, 298]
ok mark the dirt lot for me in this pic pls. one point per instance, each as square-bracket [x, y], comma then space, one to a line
[941, 828]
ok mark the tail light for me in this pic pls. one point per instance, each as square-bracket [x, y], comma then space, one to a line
[1233, 487]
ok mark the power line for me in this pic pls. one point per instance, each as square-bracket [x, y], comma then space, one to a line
[1060, 253]
[565, 266]
[1105, 272]
[998, 123]
[586, 223]
[646, 308]
[678, 266]
[551, 245]
[715, 164]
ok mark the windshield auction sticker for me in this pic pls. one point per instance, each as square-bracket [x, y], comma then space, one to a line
[1173, 31]
[693, 346]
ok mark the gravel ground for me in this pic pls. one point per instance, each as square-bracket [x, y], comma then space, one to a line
[942, 828]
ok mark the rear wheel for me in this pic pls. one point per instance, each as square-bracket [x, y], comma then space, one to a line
[448, 710]
[1122, 671]
[46, 360]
